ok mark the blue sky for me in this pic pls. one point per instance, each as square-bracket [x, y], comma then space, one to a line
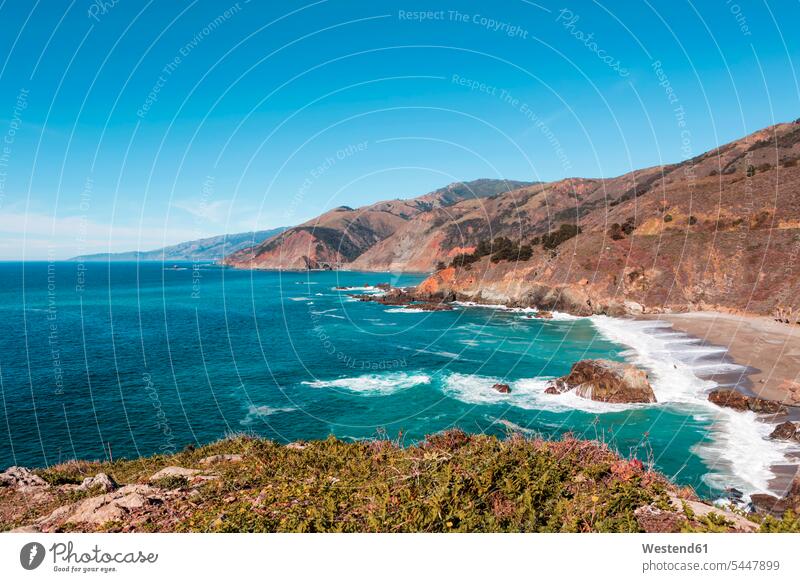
[137, 124]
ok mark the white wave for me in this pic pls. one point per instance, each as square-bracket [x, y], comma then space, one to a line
[374, 384]
[483, 305]
[366, 290]
[324, 311]
[442, 353]
[256, 412]
[300, 298]
[333, 315]
[742, 443]
[527, 394]
[557, 315]
[403, 310]
[739, 454]
[512, 426]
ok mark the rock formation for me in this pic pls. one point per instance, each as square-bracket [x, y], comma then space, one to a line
[21, 478]
[769, 504]
[730, 398]
[605, 381]
[786, 431]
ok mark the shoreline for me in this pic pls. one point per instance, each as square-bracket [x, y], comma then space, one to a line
[769, 353]
[769, 350]
[720, 367]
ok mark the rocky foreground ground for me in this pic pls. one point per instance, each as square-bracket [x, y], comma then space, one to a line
[453, 482]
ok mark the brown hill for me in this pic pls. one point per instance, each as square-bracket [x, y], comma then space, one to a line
[719, 231]
[339, 236]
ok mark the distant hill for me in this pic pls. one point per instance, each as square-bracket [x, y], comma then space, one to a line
[343, 234]
[205, 249]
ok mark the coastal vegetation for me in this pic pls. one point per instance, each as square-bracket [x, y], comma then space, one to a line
[505, 249]
[451, 482]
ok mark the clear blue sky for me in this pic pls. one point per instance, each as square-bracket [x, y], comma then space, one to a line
[134, 124]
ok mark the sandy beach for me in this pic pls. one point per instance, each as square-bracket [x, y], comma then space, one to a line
[771, 349]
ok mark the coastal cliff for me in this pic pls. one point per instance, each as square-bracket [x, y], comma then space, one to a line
[720, 231]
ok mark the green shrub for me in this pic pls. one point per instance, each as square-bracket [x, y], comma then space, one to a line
[565, 232]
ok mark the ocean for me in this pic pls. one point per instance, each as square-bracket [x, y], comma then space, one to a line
[127, 359]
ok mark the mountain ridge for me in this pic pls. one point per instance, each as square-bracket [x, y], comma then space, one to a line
[702, 233]
[720, 231]
[213, 248]
[339, 236]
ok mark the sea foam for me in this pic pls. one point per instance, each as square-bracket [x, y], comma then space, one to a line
[374, 384]
[527, 394]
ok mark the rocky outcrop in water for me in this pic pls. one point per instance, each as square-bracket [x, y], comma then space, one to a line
[605, 381]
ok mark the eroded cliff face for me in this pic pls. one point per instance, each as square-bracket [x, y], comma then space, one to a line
[721, 232]
[650, 273]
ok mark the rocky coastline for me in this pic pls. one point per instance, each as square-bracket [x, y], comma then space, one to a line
[606, 381]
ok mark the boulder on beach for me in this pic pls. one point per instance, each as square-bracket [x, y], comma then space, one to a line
[605, 381]
[502, 388]
[730, 398]
[791, 392]
[772, 505]
[786, 431]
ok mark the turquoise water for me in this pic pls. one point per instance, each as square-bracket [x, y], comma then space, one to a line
[148, 359]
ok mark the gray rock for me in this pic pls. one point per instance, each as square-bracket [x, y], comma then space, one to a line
[115, 506]
[220, 458]
[21, 478]
[175, 472]
[101, 480]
